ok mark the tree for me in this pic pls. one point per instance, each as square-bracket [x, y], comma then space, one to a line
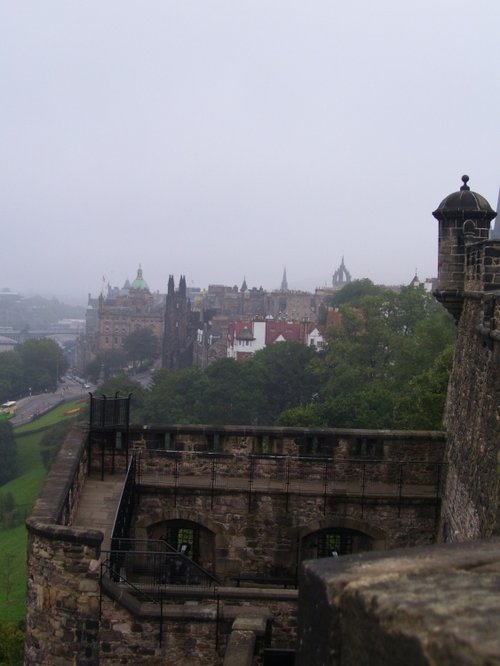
[233, 394]
[109, 363]
[8, 452]
[384, 343]
[422, 406]
[306, 416]
[141, 345]
[354, 292]
[12, 383]
[177, 397]
[286, 378]
[43, 363]
[123, 385]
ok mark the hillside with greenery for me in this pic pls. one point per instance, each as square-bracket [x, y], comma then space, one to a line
[35, 445]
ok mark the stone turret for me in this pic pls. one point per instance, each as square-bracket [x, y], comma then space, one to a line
[462, 215]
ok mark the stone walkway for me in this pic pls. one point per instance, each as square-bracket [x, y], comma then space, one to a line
[98, 505]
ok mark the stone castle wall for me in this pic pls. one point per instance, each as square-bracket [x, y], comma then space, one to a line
[264, 533]
[473, 425]
[70, 621]
[63, 568]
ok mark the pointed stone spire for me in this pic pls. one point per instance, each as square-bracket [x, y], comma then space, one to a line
[182, 285]
[244, 285]
[284, 283]
[170, 288]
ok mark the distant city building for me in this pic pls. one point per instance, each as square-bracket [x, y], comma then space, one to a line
[429, 284]
[245, 338]
[7, 344]
[341, 277]
[123, 311]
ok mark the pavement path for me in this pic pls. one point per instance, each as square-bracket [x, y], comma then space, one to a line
[98, 505]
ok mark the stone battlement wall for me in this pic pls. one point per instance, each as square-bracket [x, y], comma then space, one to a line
[482, 266]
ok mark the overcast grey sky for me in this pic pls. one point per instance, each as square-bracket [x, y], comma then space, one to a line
[226, 138]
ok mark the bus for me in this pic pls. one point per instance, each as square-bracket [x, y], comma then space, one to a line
[8, 407]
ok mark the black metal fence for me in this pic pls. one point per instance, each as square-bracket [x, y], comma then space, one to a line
[291, 475]
[153, 564]
[121, 525]
[108, 411]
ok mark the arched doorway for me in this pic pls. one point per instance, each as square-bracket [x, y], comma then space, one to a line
[334, 541]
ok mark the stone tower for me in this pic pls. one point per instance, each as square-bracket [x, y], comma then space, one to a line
[462, 215]
[178, 337]
[469, 288]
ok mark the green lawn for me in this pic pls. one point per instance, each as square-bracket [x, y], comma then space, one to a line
[13, 573]
[24, 489]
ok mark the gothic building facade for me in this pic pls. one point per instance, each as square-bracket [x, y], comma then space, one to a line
[180, 328]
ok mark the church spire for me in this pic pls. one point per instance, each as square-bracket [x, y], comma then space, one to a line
[284, 283]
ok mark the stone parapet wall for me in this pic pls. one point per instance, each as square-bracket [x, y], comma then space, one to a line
[63, 597]
[63, 567]
[191, 632]
[411, 468]
[109, 455]
[273, 440]
[417, 607]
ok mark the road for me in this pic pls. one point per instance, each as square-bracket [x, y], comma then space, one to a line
[29, 407]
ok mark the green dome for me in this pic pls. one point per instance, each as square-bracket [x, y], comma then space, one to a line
[139, 283]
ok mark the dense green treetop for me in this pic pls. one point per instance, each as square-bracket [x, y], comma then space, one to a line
[386, 366]
[141, 345]
[44, 362]
[35, 365]
[108, 363]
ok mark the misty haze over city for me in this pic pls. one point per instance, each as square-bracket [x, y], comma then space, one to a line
[228, 139]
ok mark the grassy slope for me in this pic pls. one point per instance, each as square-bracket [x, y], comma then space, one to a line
[25, 489]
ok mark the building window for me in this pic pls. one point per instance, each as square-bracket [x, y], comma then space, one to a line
[184, 537]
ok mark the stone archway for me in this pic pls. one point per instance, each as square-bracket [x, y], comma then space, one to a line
[199, 532]
[341, 536]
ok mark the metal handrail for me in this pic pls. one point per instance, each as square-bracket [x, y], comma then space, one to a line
[159, 568]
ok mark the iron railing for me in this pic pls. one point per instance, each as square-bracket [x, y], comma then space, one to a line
[355, 478]
[156, 598]
[123, 517]
[150, 563]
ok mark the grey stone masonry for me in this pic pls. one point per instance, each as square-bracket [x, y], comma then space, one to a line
[427, 606]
